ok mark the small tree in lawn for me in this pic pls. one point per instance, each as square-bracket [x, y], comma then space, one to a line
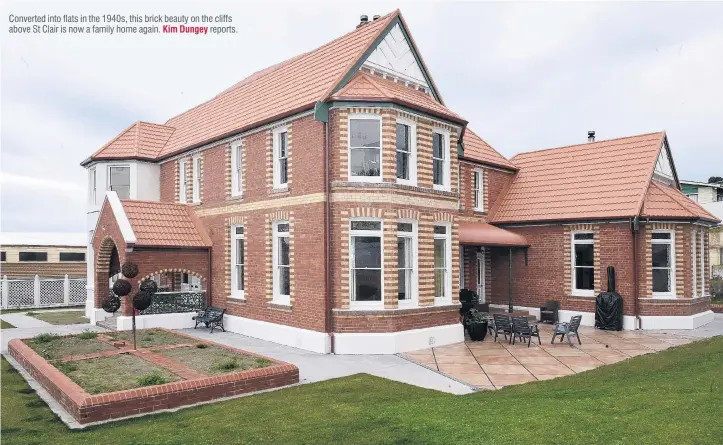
[122, 288]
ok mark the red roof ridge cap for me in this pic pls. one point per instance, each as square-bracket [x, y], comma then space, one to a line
[585, 143]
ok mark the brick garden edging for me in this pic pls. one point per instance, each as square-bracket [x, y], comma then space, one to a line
[717, 308]
[87, 408]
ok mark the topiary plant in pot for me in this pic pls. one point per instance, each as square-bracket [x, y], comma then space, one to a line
[476, 324]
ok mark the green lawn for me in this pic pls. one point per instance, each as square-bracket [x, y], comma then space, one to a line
[60, 317]
[5, 325]
[673, 397]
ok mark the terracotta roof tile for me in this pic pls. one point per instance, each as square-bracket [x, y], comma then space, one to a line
[140, 140]
[663, 201]
[476, 149]
[282, 89]
[364, 86]
[163, 224]
[603, 179]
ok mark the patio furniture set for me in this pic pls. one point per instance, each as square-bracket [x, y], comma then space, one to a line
[517, 327]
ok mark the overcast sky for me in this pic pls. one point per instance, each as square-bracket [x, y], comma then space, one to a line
[525, 75]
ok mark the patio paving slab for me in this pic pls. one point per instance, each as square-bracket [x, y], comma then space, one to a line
[502, 363]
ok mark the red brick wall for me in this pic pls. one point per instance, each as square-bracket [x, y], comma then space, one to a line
[495, 182]
[401, 320]
[109, 232]
[545, 278]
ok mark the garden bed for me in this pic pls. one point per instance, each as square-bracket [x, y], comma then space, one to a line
[93, 380]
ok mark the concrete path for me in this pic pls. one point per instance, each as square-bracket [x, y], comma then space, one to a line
[315, 367]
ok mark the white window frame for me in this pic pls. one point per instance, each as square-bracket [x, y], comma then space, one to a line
[352, 288]
[365, 116]
[279, 298]
[445, 299]
[237, 159]
[412, 152]
[573, 242]
[108, 176]
[481, 278]
[182, 184]
[691, 196]
[235, 238]
[461, 267]
[445, 186]
[276, 158]
[413, 287]
[196, 180]
[92, 178]
[671, 242]
[702, 263]
[478, 190]
[695, 263]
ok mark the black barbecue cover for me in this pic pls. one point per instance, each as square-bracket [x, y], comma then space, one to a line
[609, 311]
[609, 306]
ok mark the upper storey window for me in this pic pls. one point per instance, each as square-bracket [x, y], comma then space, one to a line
[365, 148]
[440, 159]
[406, 152]
[237, 169]
[119, 180]
[281, 158]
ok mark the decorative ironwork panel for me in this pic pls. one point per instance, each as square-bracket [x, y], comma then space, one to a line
[174, 302]
[77, 290]
[51, 292]
[21, 293]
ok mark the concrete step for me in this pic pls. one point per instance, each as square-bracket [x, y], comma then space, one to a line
[110, 323]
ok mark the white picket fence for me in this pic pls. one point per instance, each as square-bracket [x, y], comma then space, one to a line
[37, 292]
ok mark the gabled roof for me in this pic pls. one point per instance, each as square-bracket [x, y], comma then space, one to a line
[476, 149]
[164, 224]
[281, 90]
[155, 224]
[142, 140]
[368, 87]
[596, 180]
[663, 201]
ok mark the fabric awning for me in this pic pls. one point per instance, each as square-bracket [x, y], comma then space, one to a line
[484, 234]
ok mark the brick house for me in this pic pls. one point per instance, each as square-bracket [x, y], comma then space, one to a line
[285, 195]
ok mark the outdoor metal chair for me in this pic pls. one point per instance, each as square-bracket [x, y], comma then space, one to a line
[502, 324]
[521, 329]
[567, 329]
[548, 312]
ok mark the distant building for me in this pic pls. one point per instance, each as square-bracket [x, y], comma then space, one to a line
[24, 255]
[716, 238]
[702, 192]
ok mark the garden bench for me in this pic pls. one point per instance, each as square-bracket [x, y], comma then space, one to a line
[211, 317]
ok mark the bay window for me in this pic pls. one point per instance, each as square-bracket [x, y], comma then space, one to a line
[119, 180]
[663, 263]
[365, 148]
[406, 152]
[281, 257]
[182, 181]
[237, 261]
[442, 264]
[583, 264]
[196, 185]
[406, 262]
[281, 157]
[92, 186]
[366, 263]
[440, 160]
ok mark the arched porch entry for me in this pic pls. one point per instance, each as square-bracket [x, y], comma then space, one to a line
[107, 267]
